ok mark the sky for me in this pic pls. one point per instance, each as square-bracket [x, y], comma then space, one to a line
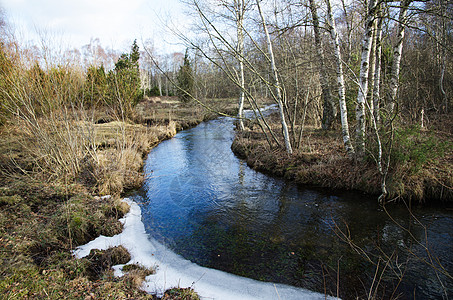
[72, 23]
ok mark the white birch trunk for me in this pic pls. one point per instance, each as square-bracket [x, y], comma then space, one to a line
[397, 52]
[286, 137]
[159, 83]
[240, 10]
[340, 81]
[363, 80]
[377, 73]
[372, 70]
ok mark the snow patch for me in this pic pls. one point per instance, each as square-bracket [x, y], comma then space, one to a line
[174, 271]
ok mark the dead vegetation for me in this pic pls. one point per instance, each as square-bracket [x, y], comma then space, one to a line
[57, 156]
[51, 173]
[420, 167]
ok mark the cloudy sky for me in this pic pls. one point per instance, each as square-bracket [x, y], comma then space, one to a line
[74, 22]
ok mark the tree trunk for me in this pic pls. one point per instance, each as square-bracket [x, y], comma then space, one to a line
[377, 73]
[340, 81]
[397, 51]
[372, 70]
[286, 137]
[363, 80]
[159, 83]
[239, 10]
[329, 109]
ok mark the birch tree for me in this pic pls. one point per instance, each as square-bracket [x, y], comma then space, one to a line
[329, 111]
[340, 80]
[276, 82]
[375, 99]
[363, 79]
[397, 52]
[239, 11]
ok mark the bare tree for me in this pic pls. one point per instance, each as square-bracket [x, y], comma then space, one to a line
[397, 52]
[363, 80]
[330, 111]
[239, 11]
[340, 80]
[278, 92]
[377, 69]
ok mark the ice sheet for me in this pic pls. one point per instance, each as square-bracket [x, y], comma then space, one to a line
[175, 271]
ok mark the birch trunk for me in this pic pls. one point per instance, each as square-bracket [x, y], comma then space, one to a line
[329, 109]
[286, 137]
[340, 81]
[239, 11]
[377, 74]
[372, 70]
[397, 52]
[159, 83]
[363, 80]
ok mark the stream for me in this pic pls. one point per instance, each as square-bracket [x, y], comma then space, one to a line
[209, 207]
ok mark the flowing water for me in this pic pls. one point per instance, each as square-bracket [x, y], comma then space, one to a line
[211, 208]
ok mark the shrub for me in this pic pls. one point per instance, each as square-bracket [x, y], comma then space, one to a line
[95, 88]
[124, 84]
[415, 149]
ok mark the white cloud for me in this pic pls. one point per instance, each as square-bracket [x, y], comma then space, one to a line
[115, 22]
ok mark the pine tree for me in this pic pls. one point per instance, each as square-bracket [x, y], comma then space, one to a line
[185, 80]
[135, 54]
[124, 82]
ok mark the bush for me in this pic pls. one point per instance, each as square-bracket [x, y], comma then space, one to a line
[415, 149]
[95, 88]
[124, 84]
[153, 92]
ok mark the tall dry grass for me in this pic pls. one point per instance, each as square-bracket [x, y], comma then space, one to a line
[59, 134]
[43, 106]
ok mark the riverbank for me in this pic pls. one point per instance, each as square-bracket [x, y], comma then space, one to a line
[173, 270]
[420, 168]
[43, 217]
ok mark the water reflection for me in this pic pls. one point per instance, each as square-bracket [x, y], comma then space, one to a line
[208, 206]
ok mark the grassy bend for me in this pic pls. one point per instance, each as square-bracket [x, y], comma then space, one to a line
[420, 164]
[43, 216]
[69, 135]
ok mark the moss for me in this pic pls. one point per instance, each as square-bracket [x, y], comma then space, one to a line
[81, 219]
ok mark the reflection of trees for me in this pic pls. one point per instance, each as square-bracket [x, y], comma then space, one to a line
[253, 225]
[399, 254]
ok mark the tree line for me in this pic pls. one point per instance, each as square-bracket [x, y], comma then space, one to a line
[367, 67]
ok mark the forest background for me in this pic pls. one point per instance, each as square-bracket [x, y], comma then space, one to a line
[363, 91]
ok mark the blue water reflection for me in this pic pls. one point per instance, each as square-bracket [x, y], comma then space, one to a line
[211, 208]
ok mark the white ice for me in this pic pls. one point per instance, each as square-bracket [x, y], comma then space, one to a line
[175, 271]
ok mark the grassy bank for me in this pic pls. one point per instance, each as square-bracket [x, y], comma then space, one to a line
[43, 216]
[420, 169]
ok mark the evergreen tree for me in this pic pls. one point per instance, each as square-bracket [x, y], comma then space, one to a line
[185, 80]
[124, 82]
[135, 54]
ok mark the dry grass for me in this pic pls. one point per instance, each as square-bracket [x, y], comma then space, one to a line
[322, 161]
[136, 274]
[55, 154]
[180, 294]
